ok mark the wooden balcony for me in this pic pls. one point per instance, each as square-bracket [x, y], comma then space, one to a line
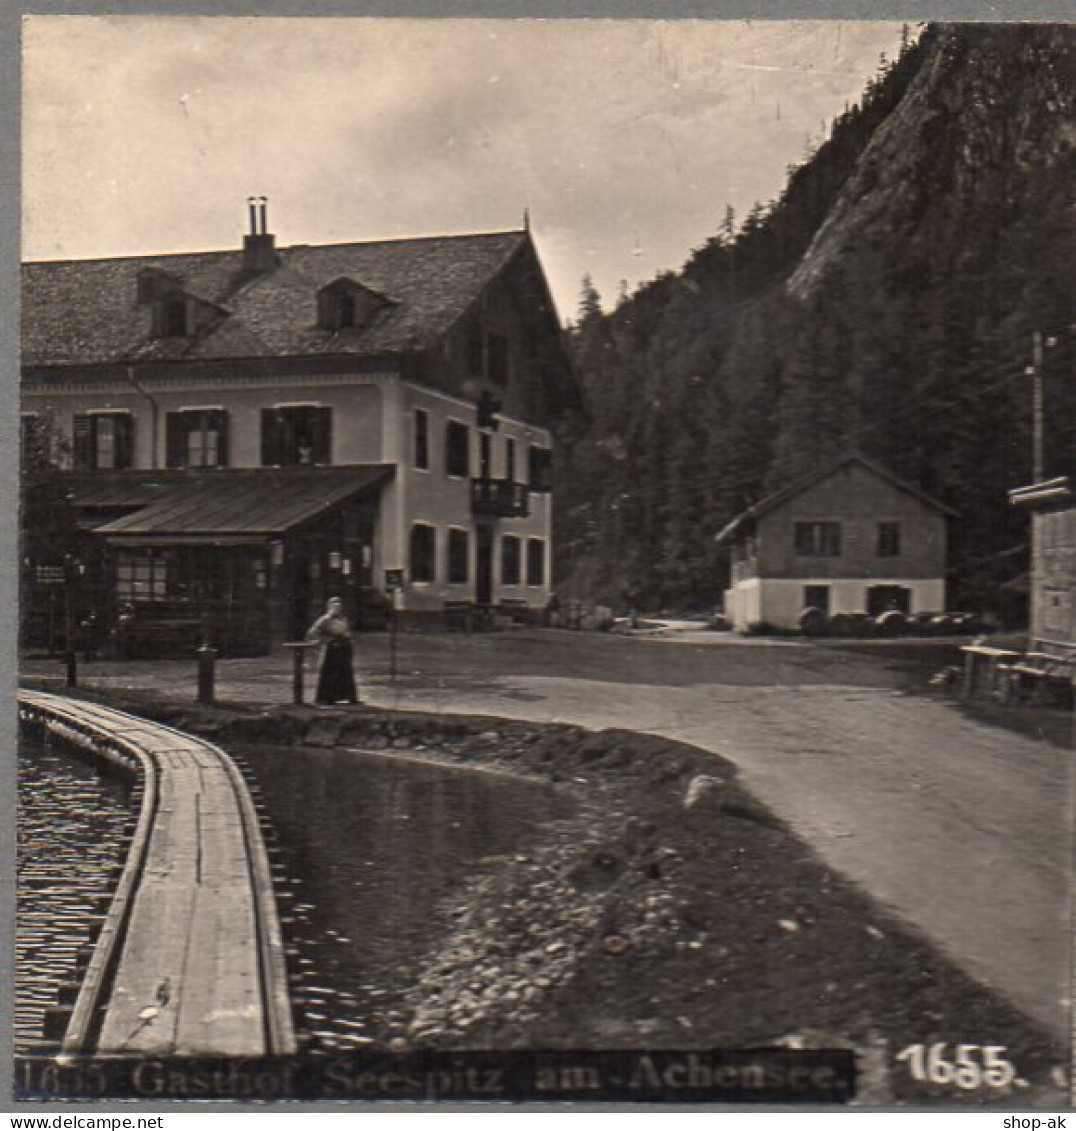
[499, 498]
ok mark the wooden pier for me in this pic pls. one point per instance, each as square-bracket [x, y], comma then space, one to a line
[189, 959]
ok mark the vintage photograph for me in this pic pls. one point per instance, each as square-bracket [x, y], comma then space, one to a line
[547, 563]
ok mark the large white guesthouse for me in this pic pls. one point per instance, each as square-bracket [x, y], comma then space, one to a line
[247, 432]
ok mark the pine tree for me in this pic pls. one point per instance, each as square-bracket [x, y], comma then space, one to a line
[727, 231]
[590, 302]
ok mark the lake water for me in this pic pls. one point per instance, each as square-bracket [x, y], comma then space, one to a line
[70, 835]
[373, 843]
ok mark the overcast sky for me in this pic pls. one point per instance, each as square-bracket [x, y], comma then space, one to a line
[624, 139]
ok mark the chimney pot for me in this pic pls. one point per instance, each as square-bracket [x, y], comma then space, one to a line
[259, 250]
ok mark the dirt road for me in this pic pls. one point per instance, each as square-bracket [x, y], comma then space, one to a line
[961, 828]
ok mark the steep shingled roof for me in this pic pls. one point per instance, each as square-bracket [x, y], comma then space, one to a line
[86, 311]
[764, 506]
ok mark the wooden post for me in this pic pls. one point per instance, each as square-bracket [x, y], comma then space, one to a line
[52, 620]
[298, 659]
[392, 638]
[969, 674]
[70, 658]
[207, 675]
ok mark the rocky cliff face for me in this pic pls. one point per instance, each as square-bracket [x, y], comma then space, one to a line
[985, 132]
[886, 302]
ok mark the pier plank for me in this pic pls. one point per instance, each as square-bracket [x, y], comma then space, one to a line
[222, 1013]
[192, 977]
[143, 1012]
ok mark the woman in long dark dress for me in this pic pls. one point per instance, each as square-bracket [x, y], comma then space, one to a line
[336, 681]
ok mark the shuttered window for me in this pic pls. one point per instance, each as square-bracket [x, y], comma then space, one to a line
[197, 438]
[293, 435]
[103, 441]
[82, 443]
[423, 552]
[510, 560]
[457, 449]
[422, 439]
[536, 561]
[540, 470]
[459, 557]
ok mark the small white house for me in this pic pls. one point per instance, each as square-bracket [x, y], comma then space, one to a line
[852, 538]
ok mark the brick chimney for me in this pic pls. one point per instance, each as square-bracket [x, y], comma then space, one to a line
[259, 247]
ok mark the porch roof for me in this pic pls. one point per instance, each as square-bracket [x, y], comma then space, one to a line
[242, 502]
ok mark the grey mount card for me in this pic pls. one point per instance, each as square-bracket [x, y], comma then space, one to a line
[546, 565]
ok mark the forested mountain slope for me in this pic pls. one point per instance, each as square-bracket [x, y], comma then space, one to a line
[886, 302]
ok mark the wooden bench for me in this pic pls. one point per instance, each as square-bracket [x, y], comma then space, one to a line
[1039, 675]
[985, 667]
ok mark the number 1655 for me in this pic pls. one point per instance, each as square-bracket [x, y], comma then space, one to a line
[971, 1066]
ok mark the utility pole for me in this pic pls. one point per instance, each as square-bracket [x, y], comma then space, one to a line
[1035, 371]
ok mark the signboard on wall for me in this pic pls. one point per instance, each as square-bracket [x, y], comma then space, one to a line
[394, 579]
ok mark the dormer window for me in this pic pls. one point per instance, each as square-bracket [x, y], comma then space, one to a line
[347, 305]
[171, 317]
[171, 310]
[153, 284]
[347, 309]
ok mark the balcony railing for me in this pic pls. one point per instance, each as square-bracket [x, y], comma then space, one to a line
[499, 498]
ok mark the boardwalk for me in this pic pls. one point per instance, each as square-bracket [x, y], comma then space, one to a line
[191, 960]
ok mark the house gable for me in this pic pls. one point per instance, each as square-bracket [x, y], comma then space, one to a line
[508, 346]
[852, 522]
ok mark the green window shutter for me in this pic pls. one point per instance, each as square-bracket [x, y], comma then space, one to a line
[272, 438]
[510, 560]
[422, 439]
[176, 440]
[321, 426]
[82, 442]
[535, 561]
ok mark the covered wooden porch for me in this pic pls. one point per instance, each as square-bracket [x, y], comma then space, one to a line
[240, 559]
